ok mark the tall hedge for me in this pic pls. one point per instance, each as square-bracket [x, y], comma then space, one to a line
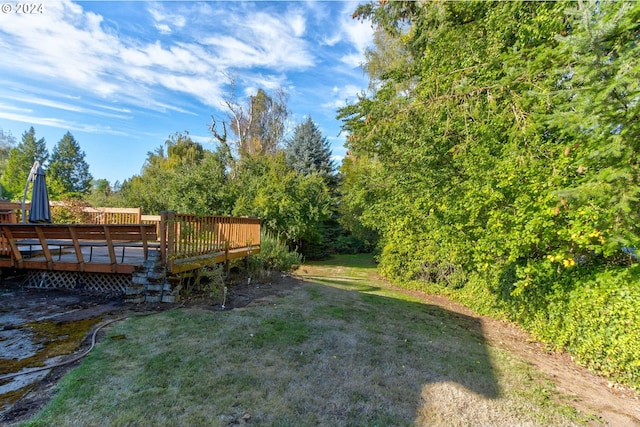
[498, 158]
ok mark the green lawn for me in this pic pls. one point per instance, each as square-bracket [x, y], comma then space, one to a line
[343, 351]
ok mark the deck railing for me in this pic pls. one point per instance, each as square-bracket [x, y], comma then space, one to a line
[191, 238]
[65, 246]
[6, 217]
[113, 215]
[185, 241]
[89, 215]
[12, 212]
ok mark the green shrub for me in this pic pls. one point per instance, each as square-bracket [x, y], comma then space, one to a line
[70, 212]
[598, 322]
[274, 255]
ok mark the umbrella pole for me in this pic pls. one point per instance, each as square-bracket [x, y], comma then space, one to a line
[32, 174]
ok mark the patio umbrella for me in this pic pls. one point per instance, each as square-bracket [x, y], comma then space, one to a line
[40, 211]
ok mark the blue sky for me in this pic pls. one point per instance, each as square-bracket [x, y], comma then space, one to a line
[122, 76]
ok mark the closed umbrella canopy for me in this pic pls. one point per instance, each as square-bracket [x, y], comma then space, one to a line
[40, 211]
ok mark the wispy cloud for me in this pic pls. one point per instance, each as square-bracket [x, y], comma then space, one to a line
[298, 24]
[114, 67]
[45, 102]
[353, 60]
[263, 40]
[14, 108]
[163, 28]
[164, 21]
[60, 123]
[357, 35]
[342, 95]
[360, 34]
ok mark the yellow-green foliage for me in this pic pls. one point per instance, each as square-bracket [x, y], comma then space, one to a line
[599, 323]
[500, 151]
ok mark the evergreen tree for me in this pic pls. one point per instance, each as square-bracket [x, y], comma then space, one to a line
[20, 161]
[597, 109]
[68, 171]
[308, 152]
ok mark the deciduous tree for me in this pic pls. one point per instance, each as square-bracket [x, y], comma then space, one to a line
[257, 126]
[290, 204]
[185, 178]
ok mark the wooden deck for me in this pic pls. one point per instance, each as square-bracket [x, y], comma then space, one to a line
[97, 259]
[185, 242]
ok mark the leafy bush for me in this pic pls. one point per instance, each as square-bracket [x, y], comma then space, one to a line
[274, 255]
[598, 322]
[593, 311]
[70, 211]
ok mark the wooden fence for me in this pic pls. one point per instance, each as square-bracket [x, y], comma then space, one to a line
[113, 215]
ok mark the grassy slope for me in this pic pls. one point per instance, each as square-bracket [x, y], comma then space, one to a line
[340, 352]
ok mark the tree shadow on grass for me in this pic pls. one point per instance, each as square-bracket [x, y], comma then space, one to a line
[446, 346]
[453, 343]
[407, 354]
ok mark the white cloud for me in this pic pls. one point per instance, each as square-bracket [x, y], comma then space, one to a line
[332, 40]
[342, 95]
[60, 123]
[298, 24]
[45, 102]
[164, 22]
[155, 13]
[14, 108]
[358, 35]
[353, 60]
[268, 82]
[262, 39]
[163, 28]
[119, 69]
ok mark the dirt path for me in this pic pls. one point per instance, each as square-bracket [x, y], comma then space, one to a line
[618, 406]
